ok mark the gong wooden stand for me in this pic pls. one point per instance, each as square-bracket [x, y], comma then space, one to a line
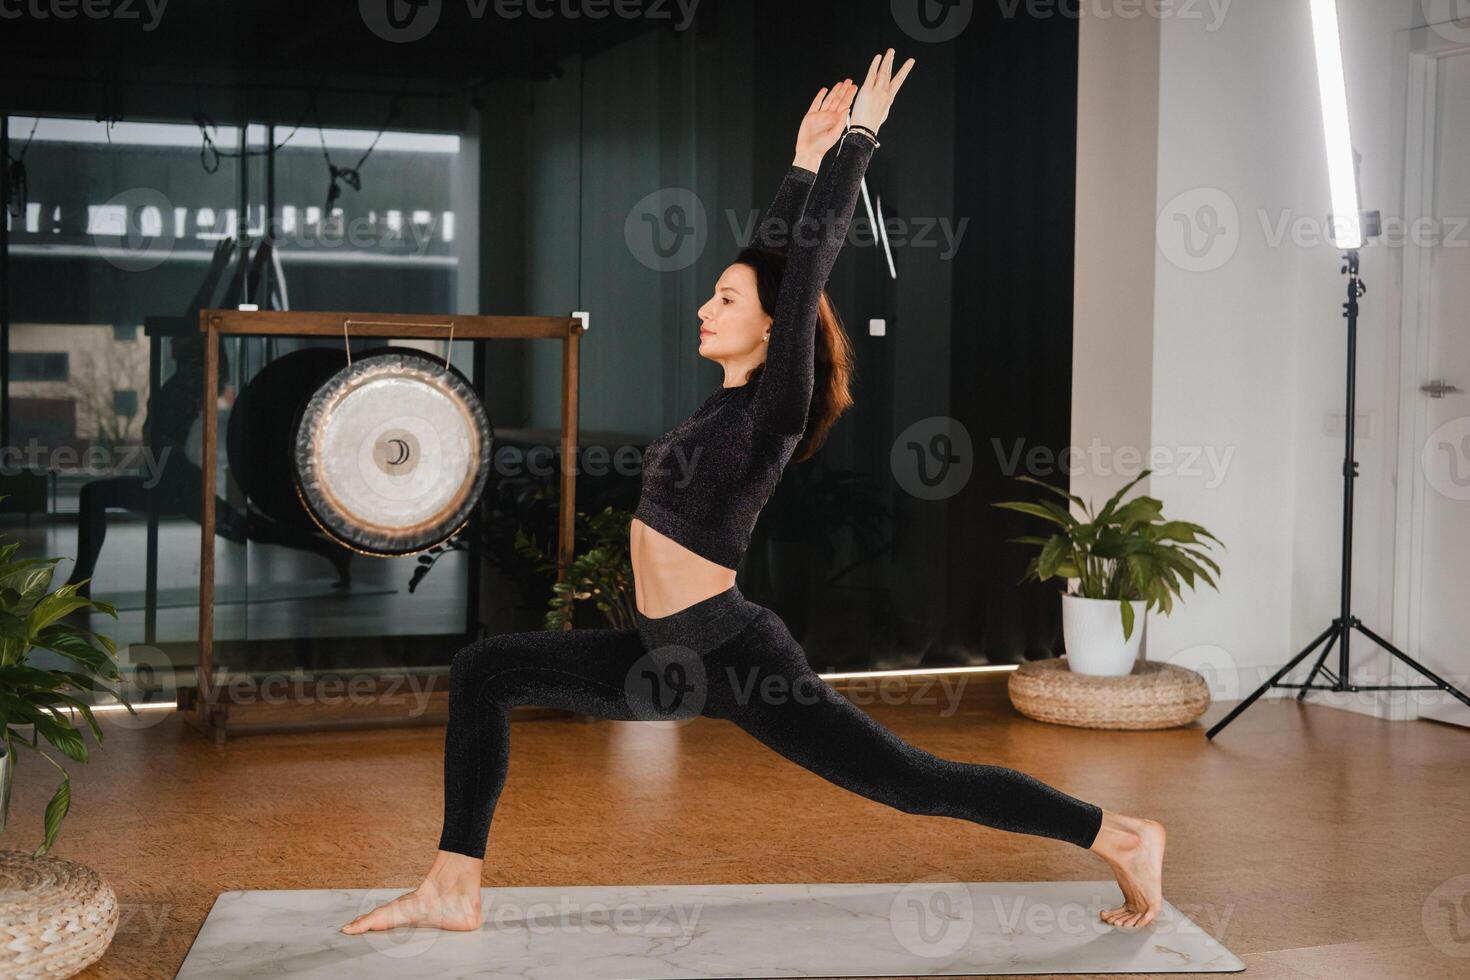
[216, 710]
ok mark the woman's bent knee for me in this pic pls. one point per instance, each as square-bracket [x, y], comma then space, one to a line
[473, 662]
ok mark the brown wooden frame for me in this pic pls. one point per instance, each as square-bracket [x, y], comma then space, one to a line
[211, 715]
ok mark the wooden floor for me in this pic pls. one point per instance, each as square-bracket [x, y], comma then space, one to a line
[1308, 840]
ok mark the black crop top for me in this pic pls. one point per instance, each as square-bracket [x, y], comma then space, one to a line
[706, 480]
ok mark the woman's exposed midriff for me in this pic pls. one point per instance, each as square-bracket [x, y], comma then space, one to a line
[667, 576]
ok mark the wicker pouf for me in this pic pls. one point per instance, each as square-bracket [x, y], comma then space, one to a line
[56, 917]
[1153, 696]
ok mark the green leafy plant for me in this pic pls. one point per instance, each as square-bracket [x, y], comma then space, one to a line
[31, 618]
[602, 575]
[1126, 551]
[511, 505]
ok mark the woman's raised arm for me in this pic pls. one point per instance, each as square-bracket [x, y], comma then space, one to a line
[820, 128]
[784, 389]
[773, 230]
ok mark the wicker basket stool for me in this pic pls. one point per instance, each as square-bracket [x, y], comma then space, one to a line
[56, 917]
[1153, 696]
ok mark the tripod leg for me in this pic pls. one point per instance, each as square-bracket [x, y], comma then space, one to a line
[1302, 694]
[1443, 685]
[1271, 683]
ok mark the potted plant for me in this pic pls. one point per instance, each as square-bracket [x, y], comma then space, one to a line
[603, 574]
[511, 506]
[520, 509]
[30, 618]
[67, 936]
[1124, 560]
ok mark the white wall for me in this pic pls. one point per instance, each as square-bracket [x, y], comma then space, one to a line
[1113, 328]
[1248, 338]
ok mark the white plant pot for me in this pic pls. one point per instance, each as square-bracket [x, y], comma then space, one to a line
[7, 773]
[1092, 630]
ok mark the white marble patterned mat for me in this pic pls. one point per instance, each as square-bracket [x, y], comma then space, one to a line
[630, 932]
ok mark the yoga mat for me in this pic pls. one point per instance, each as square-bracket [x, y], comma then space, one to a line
[631, 932]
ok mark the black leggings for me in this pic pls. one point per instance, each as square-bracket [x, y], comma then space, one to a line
[722, 657]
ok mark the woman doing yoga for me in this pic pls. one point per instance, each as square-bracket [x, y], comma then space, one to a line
[702, 648]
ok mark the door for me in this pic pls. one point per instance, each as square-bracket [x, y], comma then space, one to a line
[1440, 623]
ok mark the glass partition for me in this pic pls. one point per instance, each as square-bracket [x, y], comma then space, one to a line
[125, 233]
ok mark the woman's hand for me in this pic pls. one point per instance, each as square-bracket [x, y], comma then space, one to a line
[870, 107]
[823, 124]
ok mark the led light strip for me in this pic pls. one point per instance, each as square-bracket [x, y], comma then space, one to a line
[1347, 231]
[920, 671]
[906, 672]
[883, 232]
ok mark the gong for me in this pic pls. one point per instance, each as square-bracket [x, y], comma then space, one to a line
[392, 452]
[259, 441]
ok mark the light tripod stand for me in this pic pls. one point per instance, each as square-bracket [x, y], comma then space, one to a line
[1342, 627]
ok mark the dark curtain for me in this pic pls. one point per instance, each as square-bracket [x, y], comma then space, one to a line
[1015, 177]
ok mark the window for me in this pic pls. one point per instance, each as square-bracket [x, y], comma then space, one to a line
[125, 402]
[39, 366]
[101, 249]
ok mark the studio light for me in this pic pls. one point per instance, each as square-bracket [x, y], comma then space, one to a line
[1349, 226]
[1346, 225]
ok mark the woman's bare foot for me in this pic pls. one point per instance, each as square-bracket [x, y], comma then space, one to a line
[448, 898]
[1134, 849]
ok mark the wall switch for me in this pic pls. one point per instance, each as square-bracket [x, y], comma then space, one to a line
[1336, 425]
[877, 328]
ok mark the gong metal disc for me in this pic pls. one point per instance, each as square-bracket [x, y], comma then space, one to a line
[392, 453]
